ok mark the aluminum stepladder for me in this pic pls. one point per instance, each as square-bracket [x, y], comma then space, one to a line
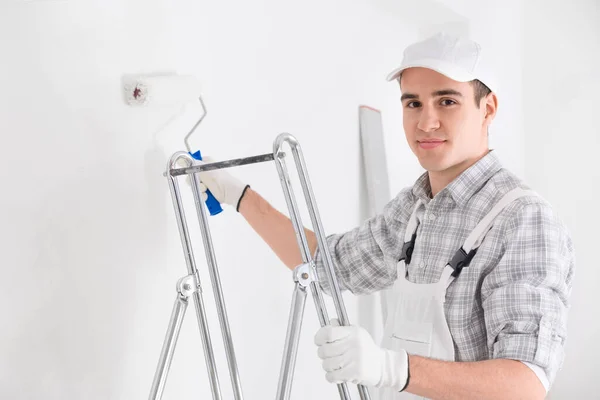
[304, 275]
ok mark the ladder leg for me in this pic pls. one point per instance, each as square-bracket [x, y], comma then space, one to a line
[324, 320]
[166, 355]
[304, 278]
[191, 287]
[211, 364]
[218, 291]
[186, 287]
[291, 343]
[319, 232]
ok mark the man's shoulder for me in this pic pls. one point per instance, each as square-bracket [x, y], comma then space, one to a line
[529, 209]
[502, 183]
[400, 207]
[531, 219]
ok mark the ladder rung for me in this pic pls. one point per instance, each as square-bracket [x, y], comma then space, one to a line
[222, 164]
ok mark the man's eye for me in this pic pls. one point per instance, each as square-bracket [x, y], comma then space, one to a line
[448, 102]
[413, 104]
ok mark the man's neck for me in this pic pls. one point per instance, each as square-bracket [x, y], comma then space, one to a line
[438, 180]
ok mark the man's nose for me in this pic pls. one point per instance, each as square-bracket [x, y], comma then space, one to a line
[428, 121]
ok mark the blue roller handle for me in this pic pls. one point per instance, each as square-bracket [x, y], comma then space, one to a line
[213, 205]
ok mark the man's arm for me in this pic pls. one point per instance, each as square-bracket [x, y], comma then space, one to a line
[525, 299]
[358, 257]
[350, 354]
[525, 296]
[274, 228]
[364, 258]
[490, 379]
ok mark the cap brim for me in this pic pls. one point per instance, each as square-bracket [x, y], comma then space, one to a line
[447, 69]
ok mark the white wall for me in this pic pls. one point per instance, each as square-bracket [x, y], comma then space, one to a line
[90, 249]
[561, 58]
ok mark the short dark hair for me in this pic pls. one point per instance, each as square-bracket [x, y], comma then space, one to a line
[480, 90]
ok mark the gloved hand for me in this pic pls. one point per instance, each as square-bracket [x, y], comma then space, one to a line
[224, 186]
[349, 354]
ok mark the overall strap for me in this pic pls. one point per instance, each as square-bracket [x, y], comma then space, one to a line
[410, 236]
[465, 254]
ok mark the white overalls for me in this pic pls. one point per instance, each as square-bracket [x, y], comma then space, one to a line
[415, 318]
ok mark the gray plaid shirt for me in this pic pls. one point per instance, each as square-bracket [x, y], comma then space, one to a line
[511, 301]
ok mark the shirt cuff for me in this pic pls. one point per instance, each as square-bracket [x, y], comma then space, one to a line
[320, 265]
[541, 374]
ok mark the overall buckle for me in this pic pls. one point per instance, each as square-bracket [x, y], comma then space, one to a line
[461, 260]
[407, 249]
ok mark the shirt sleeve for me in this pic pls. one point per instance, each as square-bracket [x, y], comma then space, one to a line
[525, 298]
[364, 258]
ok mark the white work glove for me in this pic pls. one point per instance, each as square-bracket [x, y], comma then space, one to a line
[349, 354]
[225, 187]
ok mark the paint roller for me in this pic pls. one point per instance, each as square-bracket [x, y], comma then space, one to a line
[164, 91]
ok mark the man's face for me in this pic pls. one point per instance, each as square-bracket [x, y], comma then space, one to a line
[443, 125]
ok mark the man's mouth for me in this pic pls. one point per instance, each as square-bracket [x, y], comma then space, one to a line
[428, 144]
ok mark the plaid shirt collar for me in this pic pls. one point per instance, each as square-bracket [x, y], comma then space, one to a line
[461, 189]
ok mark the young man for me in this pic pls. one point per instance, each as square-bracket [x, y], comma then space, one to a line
[476, 269]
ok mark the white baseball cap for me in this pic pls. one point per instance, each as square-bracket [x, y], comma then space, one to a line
[459, 58]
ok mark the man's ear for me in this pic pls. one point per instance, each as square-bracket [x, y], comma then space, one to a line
[491, 106]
